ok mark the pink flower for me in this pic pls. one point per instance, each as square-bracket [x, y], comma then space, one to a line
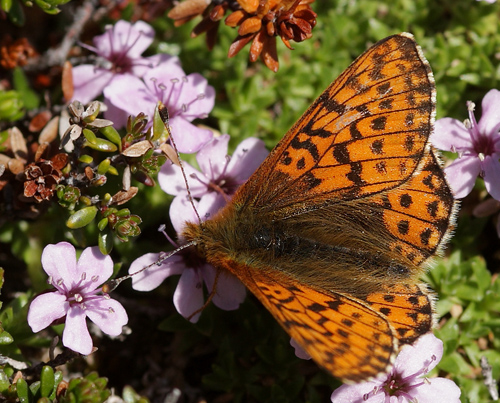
[77, 296]
[220, 175]
[186, 98]
[188, 296]
[406, 382]
[118, 52]
[478, 147]
[299, 351]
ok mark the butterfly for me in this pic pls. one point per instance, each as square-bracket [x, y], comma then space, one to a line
[334, 229]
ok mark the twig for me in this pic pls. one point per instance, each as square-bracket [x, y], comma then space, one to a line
[490, 383]
[57, 56]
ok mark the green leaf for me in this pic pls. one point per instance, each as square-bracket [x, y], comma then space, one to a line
[90, 136]
[102, 145]
[105, 241]
[5, 5]
[112, 135]
[5, 338]
[30, 98]
[47, 380]
[23, 391]
[82, 217]
[16, 13]
[4, 381]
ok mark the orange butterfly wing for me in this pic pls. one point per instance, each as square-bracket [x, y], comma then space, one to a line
[354, 340]
[332, 231]
[365, 134]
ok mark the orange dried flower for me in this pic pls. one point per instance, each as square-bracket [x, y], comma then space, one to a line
[261, 23]
[211, 11]
[15, 53]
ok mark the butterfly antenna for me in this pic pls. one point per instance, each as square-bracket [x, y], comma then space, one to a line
[209, 299]
[115, 282]
[163, 112]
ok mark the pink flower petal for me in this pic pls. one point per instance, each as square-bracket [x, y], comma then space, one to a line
[181, 211]
[451, 135]
[155, 275]
[172, 182]
[125, 38]
[96, 266]
[170, 75]
[129, 93]
[108, 314]
[461, 175]
[230, 291]
[89, 82]
[59, 262]
[247, 157]
[118, 116]
[491, 167]
[45, 309]
[188, 137]
[76, 336]
[413, 358]
[199, 99]
[299, 351]
[490, 119]
[188, 296]
[437, 390]
[355, 393]
[212, 157]
[211, 203]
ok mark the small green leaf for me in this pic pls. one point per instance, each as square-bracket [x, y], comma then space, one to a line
[35, 388]
[4, 381]
[5, 5]
[90, 136]
[21, 83]
[5, 338]
[112, 170]
[103, 167]
[16, 13]
[46, 381]
[112, 135]
[105, 242]
[103, 224]
[82, 217]
[23, 392]
[103, 145]
[86, 159]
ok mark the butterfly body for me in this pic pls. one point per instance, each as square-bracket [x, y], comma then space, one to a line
[333, 230]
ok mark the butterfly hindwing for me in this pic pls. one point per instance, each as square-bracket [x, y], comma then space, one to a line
[419, 215]
[408, 307]
[345, 336]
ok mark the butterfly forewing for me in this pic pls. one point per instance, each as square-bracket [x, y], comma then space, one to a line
[365, 134]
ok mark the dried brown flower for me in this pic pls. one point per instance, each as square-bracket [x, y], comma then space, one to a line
[15, 53]
[262, 23]
[259, 22]
[212, 11]
[42, 177]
